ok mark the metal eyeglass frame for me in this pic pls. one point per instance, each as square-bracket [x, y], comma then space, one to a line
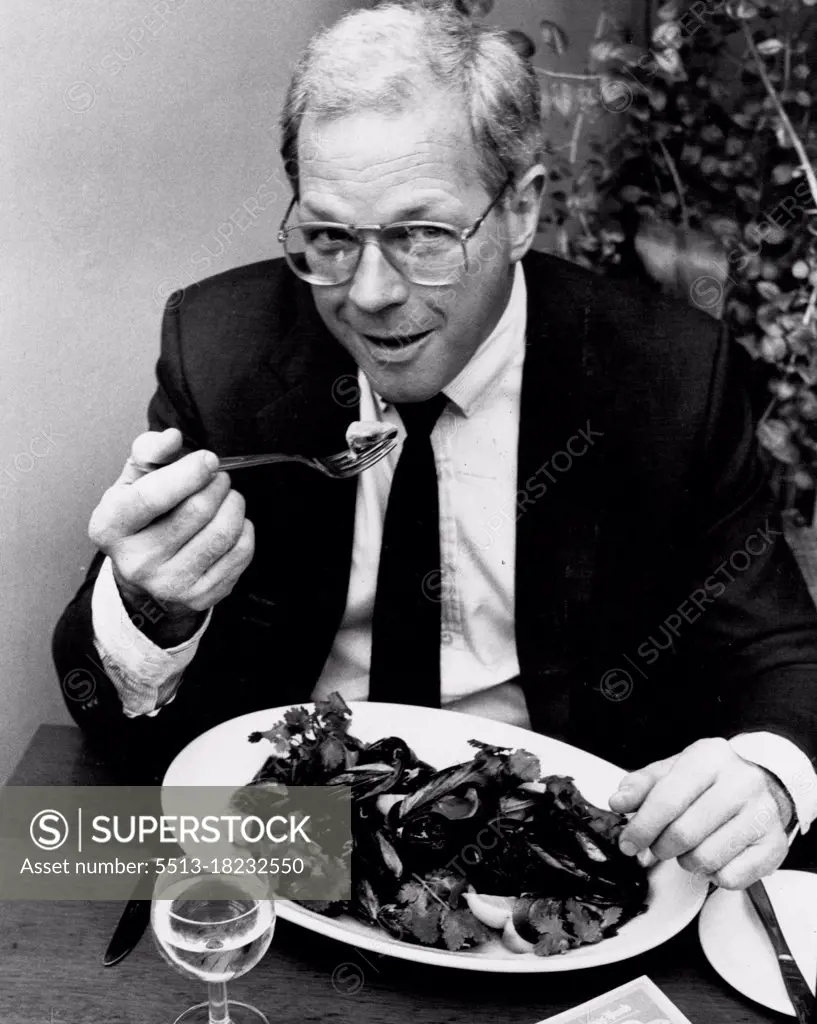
[360, 230]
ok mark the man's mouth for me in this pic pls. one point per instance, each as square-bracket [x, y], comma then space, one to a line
[395, 341]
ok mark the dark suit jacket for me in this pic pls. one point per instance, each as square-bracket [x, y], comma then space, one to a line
[664, 530]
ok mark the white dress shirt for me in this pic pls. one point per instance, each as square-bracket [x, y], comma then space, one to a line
[474, 443]
[475, 449]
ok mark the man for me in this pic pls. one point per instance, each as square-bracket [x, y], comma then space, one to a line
[575, 536]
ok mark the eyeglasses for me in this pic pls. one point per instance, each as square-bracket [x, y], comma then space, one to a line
[425, 252]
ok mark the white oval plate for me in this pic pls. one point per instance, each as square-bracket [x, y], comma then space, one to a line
[223, 757]
[736, 944]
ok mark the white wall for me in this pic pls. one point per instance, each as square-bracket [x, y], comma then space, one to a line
[134, 130]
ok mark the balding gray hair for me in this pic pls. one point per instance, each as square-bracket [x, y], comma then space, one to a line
[384, 60]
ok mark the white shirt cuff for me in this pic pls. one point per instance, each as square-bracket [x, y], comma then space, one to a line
[789, 763]
[145, 675]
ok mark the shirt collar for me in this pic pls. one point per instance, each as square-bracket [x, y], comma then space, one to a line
[487, 367]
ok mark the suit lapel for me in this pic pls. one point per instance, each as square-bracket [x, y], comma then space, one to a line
[556, 508]
[315, 393]
[304, 553]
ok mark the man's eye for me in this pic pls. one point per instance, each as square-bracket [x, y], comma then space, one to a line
[329, 239]
[425, 233]
[421, 240]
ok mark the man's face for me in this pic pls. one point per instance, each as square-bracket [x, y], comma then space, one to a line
[368, 168]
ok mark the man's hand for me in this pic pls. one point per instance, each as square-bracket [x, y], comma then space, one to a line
[177, 534]
[724, 818]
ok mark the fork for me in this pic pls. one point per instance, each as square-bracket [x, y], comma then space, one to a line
[340, 466]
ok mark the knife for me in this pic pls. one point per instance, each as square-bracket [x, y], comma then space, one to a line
[804, 1003]
[132, 924]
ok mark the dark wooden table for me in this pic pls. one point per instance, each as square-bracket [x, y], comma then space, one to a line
[50, 969]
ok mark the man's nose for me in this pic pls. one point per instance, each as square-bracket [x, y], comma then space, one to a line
[377, 284]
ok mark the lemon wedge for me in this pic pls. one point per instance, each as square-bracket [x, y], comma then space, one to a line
[513, 941]
[492, 911]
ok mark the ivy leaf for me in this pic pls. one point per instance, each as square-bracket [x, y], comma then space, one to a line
[808, 410]
[768, 290]
[521, 42]
[748, 193]
[775, 437]
[808, 374]
[712, 133]
[802, 340]
[632, 193]
[669, 62]
[604, 50]
[725, 227]
[749, 342]
[782, 389]
[769, 271]
[671, 10]
[554, 37]
[741, 9]
[773, 349]
[709, 164]
[782, 174]
[668, 35]
[691, 154]
[561, 98]
[769, 47]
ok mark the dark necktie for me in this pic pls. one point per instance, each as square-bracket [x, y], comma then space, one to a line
[405, 665]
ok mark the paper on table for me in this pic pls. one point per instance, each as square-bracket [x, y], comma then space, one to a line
[637, 1002]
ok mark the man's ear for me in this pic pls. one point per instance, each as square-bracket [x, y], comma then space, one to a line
[523, 211]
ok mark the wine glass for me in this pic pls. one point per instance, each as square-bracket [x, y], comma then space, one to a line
[214, 928]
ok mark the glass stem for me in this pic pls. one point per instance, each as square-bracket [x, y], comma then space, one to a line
[219, 1011]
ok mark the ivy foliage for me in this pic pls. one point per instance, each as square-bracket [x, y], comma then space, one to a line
[701, 150]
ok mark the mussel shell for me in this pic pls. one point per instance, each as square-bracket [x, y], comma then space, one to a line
[389, 750]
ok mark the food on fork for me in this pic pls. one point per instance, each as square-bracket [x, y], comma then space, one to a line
[364, 434]
[486, 849]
